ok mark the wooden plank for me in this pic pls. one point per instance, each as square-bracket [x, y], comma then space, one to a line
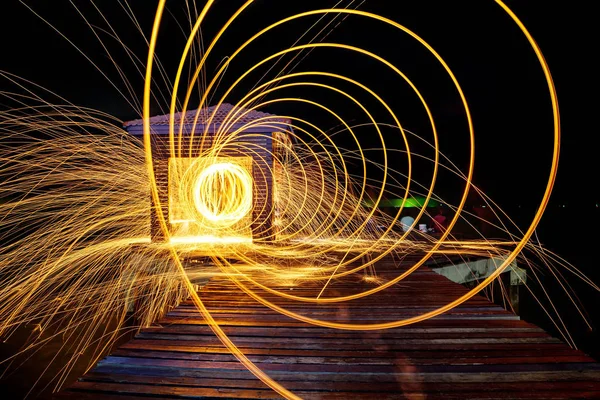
[477, 350]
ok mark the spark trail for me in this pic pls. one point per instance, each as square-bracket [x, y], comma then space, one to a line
[78, 191]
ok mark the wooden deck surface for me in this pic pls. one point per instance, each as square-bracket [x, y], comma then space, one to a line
[477, 350]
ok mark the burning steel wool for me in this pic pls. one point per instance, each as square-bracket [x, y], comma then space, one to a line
[98, 218]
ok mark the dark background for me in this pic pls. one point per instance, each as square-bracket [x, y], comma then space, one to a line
[490, 57]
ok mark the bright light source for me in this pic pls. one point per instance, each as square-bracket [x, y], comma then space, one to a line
[223, 193]
[210, 198]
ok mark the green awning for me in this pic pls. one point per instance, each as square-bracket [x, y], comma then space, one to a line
[412, 202]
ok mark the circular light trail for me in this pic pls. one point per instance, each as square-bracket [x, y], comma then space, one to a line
[223, 193]
[273, 200]
[234, 210]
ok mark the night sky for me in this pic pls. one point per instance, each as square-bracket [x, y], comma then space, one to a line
[491, 59]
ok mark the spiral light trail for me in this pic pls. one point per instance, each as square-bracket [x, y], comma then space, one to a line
[75, 205]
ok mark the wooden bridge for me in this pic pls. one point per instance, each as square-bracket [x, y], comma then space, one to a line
[477, 350]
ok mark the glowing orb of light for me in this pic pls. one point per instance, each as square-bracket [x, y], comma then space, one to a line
[222, 193]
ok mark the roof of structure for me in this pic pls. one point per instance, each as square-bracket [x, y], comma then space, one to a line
[223, 113]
